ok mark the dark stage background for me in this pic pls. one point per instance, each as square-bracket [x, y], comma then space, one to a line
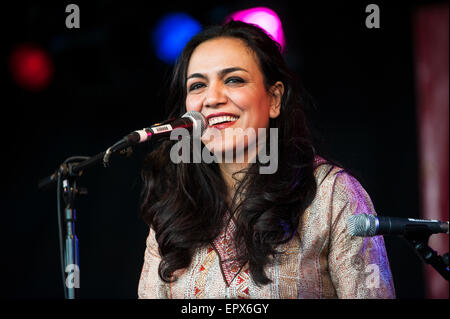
[108, 82]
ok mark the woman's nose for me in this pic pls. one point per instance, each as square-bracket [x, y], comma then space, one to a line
[215, 96]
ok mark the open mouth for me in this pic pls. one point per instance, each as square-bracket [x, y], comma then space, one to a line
[222, 119]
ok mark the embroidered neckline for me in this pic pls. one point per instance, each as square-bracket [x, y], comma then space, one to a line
[224, 247]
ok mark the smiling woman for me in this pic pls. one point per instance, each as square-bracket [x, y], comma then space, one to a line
[223, 230]
[226, 84]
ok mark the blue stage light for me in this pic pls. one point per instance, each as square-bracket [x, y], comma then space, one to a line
[171, 34]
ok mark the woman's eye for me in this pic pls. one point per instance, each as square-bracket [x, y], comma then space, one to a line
[195, 86]
[234, 80]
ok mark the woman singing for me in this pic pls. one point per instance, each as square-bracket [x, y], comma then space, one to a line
[229, 229]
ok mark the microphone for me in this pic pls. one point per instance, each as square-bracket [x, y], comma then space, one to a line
[192, 121]
[366, 225]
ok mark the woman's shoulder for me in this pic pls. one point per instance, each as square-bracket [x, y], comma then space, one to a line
[325, 171]
[338, 196]
[337, 182]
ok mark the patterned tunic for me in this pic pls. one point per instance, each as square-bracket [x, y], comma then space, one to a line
[321, 260]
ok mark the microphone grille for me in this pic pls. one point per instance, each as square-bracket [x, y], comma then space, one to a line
[362, 225]
[198, 118]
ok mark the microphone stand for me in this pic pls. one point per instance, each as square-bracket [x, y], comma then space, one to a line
[71, 255]
[418, 238]
[66, 180]
[72, 168]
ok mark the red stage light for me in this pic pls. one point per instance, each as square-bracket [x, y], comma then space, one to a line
[31, 67]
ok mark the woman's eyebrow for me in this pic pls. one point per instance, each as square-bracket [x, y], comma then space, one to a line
[221, 73]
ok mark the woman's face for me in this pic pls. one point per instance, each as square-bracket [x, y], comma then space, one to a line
[225, 84]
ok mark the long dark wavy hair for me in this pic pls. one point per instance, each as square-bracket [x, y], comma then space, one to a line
[186, 203]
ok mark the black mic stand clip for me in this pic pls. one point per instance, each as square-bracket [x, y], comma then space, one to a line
[418, 237]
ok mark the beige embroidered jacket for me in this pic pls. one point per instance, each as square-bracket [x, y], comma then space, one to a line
[321, 261]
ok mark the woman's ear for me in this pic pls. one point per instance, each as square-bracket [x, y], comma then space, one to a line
[276, 92]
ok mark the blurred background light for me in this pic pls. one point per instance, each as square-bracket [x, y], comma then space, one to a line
[31, 67]
[171, 34]
[265, 18]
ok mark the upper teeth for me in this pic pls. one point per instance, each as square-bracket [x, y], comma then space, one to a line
[219, 119]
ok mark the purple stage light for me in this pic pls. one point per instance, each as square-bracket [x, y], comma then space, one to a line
[265, 18]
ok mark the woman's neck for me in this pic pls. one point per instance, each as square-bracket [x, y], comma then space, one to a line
[227, 170]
